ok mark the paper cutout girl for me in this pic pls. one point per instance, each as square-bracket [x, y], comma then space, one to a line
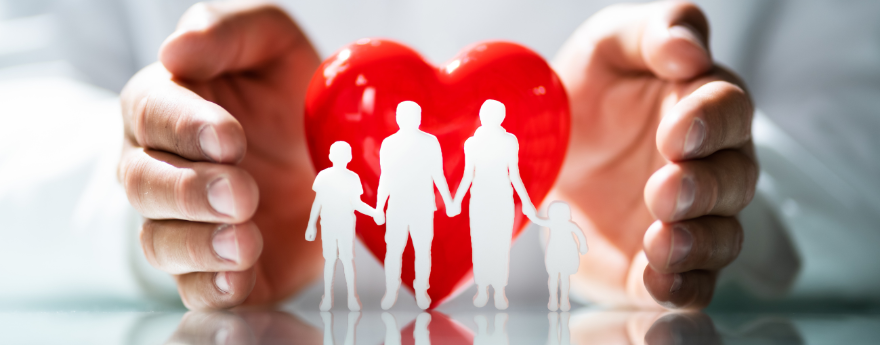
[561, 255]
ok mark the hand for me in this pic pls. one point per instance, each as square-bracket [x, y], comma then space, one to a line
[379, 217]
[654, 119]
[311, 232]
[212, 131]
[529, 210]
[453, 209]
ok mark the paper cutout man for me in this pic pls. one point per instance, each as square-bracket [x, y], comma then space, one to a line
[338, 196]
[492, 166]
[411, 163]
[561, 255]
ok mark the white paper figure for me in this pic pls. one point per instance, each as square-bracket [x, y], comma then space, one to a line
[561, 255]
[411, 164]
[492, 166]
[499, 334]
[353, 319]
[421, 335]
[338, 196]
[559, 333]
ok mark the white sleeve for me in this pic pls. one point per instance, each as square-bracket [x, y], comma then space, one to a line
[68, 234]
[808, 233]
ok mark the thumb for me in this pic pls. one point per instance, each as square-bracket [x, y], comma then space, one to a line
[675, 42]
[667, 39]
[215, 38]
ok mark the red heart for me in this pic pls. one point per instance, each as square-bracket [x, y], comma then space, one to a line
[353, 97]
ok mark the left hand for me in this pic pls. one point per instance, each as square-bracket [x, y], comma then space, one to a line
[529, 210]
[311, 232]
[214, 135]
[661, 156]
[453, 209]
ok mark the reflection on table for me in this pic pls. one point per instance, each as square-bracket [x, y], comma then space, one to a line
[585, 327]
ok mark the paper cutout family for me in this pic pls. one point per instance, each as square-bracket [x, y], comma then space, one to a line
[411, 165]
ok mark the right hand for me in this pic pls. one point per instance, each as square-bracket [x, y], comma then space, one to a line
[661, 158]
[311, 232]
[211, 131]
[379, 217]
[454, 209]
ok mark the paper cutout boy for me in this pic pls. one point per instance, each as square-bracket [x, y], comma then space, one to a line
[338, 196]
[561, 255]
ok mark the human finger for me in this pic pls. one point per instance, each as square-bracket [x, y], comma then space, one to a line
[178, 247]
[215, 290]
[668, 39]
[721, 184]
[683, 328]
[686, 290]
[216, 327]
[161, 114]
[715, 116]
[218, 37]
[164, 186]
[704, 243]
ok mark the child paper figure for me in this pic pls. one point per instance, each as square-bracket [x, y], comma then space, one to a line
[411, 164]
[492, 165]
[561, 255]
[338, 196]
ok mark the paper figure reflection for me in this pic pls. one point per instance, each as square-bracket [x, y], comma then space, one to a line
[499, 332]
[353, 319]
[559, 333]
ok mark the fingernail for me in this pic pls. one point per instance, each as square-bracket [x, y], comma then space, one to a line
[221, 280]
[681, 244]
[688, 32]
[676, 283]
[220, 197]
[685, 197]
[210, 144]
[225, 243]
[222, 336]
[694, 138]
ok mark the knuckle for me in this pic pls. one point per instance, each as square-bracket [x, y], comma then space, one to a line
[184, 192]
[193, 247]
[147, 243]
[132, 176]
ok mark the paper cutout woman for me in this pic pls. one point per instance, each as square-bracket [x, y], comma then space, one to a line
[561, 255]
[338, 196]
[492, 166]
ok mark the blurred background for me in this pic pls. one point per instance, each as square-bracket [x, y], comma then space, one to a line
[68, 238]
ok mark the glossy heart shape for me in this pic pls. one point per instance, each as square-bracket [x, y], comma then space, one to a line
[353, 97]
